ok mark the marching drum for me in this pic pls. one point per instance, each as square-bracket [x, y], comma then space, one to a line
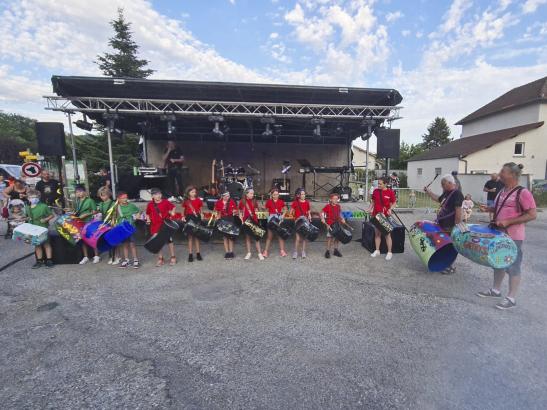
[119, 233]
[305, 228]
[203, 233]
[382, 223]
[485, 246]
[343, 234]
[228, 228]
[432, 245]
[70, 228]
[159, 239]
[93, 235]
[254, 229]
[30, 234]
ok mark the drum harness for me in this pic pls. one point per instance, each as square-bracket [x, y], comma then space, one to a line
[497, 210]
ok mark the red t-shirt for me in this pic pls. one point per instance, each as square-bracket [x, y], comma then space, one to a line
[300, 208]
[333, 213]
[225, 210]
[249, 210]
[275, 207]
[164, 206]
[197, 203]
[382, 200]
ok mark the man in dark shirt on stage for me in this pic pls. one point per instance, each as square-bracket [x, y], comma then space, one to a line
[48, 188]
[173, 160]
[492, 187]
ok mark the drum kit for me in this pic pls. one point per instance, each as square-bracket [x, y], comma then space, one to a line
[236, 179]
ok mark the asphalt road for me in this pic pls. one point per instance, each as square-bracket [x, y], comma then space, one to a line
[354, 332]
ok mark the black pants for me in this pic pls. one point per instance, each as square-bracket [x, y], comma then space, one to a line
[174, 182]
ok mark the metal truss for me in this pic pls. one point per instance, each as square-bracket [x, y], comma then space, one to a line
[228, 109]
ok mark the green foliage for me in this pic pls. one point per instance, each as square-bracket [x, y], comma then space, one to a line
[124, 61]
[16, 134]
[438, 133]
[407, 151]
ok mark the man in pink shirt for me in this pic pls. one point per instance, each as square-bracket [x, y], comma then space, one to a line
[513, 207]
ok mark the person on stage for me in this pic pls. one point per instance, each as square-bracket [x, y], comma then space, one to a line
[157, 211]
[247, 210]
[127, 212]
[513, 208]
[226, 208]
[191, 209]
[40, 214]
[173, 161]
[331, 213]
[105, 208]
[450, 214]
[84, 208]
[300, 207]
[275, 206]
[382, 202]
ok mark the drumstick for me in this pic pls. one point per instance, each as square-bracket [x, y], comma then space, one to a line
[402, 223]
[433, 180]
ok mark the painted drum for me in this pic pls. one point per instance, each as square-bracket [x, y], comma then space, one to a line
[93, 235]
[70, 228]
[119, 233]
[30, 234]
[432, 245]
[485, 246]
[228, 228]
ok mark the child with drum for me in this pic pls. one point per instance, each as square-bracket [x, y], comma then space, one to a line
[40, 214]
[247, 212]
[127, 212]
[300, 208]
[157, 211]
[226, 208]
[84, 209]
[191, 209]
[275, 206]
[331, 213]
[382, 202]
[104, 208]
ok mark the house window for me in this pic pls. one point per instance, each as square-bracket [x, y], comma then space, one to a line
[519, 149]
[420, 170]
[438, 171]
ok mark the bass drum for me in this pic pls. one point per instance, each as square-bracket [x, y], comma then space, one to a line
[159, 239]
[305, 228]
[343, 234]
[203, 233]
[228, 228]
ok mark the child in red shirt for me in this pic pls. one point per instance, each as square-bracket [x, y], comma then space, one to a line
[382, 201]
[300, 207]
[157, 211]
[191, 209]
[247, 210]
[331, 213]
[225, 208]
[275, 206]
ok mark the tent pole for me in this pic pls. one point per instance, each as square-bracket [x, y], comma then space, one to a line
[74, 160]
[111, 160]
[366, 169]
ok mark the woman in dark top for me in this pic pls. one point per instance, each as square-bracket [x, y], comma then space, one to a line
[17, 191]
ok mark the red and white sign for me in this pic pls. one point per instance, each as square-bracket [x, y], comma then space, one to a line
[31, 169]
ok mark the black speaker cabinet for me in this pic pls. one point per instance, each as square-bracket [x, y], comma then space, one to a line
[51, 138]
[388, 144]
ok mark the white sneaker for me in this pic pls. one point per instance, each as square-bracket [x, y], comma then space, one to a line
[248, 256]
[117, 261]
[389, 256]
[260, 256]
[110, 261]
[84, 260]
[375, 253]
[96, 259]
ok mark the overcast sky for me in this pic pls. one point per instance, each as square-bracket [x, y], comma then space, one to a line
[447, 58]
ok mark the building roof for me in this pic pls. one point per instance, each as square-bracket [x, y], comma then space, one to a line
[363, 150]
[468, 145]
[536, 91]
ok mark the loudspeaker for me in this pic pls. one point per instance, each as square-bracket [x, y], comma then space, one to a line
[388, 144]
[51, 138]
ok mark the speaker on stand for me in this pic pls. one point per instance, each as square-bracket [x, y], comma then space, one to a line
[51, 142]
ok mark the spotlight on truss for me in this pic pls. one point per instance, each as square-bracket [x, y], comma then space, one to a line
[317, 130]
[217, 119]
[269, 121]
[84, 124]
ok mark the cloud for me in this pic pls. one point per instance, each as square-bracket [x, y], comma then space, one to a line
[273, 36]
[393, 16]
[531, 6]
[19, 88]
[454, 15]
[405, 33]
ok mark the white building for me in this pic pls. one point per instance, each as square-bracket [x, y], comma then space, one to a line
[360, 158]
[510, 128]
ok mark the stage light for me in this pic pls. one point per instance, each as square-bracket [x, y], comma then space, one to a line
[84, 124]
[269, 121]
[317, 130]
[286, 167]
[338, 130]
[171, 119]
[217, 119]
[268, 131]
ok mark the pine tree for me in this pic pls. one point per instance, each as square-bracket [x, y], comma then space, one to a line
[438, 133]
[124, 62]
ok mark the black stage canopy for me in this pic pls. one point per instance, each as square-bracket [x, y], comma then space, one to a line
[192, 107]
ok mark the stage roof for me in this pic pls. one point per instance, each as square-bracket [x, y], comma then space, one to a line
[142, 104]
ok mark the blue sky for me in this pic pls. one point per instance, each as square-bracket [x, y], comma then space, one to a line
[447, 58]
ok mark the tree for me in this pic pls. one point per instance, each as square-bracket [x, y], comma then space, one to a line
[16, 134]
[406, 152]
[124, 62]
[438, 133]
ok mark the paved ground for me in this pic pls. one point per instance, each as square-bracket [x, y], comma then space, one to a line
[340, 333]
